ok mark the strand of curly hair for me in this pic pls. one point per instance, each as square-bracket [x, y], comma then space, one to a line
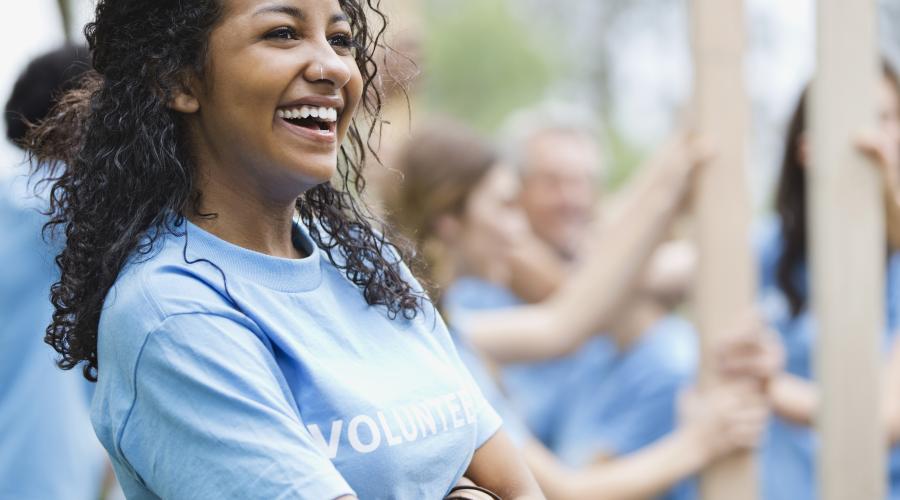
[119, 166]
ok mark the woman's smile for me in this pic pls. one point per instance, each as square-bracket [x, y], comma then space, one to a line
[312, 118]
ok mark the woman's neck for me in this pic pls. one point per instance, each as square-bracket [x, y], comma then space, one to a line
[245, 220]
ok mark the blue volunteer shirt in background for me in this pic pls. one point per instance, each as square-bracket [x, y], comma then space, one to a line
[629, 401]
[226, 373]
[534, 390]
[513, 425]
[47, 447]
[787, 455]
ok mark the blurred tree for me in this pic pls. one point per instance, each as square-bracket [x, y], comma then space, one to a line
[594, 38]
[482, 62]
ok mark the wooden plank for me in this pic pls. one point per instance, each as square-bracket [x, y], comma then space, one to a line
[847, 242]
[725, 286]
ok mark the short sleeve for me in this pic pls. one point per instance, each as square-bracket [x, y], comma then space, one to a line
[212, 418]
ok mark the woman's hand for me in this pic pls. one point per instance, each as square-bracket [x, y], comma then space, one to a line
[752, 351]
[722, 420]
[731, 415]
[884, 153]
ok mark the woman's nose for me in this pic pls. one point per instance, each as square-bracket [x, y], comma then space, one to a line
[326, 66]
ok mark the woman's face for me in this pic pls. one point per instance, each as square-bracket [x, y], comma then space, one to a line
[492, 224]
[888, 118]
[278, 95]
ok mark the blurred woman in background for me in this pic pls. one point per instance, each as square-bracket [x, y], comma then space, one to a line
[788, 464]
[459, 203]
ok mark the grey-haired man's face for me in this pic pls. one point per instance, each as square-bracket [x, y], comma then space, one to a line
[559, 187]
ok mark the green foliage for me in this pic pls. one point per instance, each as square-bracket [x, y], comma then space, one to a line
[622, 159]
[481, 62]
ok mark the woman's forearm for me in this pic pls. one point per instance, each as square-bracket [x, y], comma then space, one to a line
[497, 466]
[794, 399]
[588, 301]
[644, 474]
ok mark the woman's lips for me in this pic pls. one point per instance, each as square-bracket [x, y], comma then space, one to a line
[326, 136]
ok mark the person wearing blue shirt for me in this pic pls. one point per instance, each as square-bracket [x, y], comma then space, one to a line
[457, 202]
[252, 334]
[533, 388]
[277, 361]
[788, 453]
[47, 446]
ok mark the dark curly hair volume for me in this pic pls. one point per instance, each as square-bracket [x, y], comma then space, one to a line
[120, 166]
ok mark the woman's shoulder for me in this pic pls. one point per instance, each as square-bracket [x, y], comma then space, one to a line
[161, 281]
[768, 246]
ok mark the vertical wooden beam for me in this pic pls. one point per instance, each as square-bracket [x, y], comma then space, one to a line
[847, 246]
[725, 288]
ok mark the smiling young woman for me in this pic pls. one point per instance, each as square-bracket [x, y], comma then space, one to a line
[251, 334]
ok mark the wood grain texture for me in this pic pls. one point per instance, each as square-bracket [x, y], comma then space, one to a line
[725, 286]
[847, 246]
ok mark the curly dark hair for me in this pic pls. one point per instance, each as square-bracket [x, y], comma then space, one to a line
[120, 166]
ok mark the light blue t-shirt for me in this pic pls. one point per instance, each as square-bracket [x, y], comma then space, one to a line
[47, 447]
[226, 373]
[629, 401]
[533, 389]
[788, 451]
[513, 424]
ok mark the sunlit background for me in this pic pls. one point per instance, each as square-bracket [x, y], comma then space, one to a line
[627, 60]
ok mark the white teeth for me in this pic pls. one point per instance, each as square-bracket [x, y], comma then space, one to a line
[324, 114]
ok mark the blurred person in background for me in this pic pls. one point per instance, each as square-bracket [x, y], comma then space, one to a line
[48, 449]
[646, 354]
[788, 465]
[460, 204]
[399, 85]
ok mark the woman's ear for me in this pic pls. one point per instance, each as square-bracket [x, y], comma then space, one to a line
[184, 98]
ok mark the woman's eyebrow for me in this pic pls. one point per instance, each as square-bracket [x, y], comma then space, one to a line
[297, 13]
[281, 9]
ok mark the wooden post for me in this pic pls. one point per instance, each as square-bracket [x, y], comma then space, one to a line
[726, 284]
[847, 247]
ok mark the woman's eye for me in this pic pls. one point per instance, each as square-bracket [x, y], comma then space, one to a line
[283, 33]
[342, 41]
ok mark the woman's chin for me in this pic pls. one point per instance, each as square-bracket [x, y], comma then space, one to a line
[315, 170]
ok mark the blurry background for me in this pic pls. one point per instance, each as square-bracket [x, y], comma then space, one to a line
[627, 60]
